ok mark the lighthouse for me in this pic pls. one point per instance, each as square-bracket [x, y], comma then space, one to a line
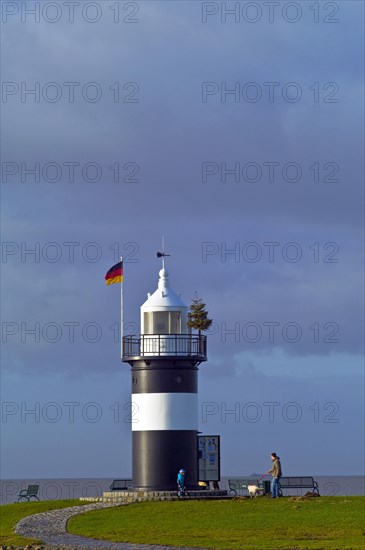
[164, 362]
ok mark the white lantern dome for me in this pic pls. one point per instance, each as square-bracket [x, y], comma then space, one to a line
[164, 312]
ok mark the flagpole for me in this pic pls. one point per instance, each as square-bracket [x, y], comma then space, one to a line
[121, 314]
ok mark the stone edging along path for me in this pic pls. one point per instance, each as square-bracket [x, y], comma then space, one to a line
[51, 528]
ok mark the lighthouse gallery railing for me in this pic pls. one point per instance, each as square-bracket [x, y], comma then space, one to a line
[153, 345]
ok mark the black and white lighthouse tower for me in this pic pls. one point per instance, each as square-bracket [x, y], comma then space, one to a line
[164, 361]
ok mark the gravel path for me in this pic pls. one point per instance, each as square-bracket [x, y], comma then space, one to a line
[50, 527]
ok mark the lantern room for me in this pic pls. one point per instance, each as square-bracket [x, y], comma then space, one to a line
[164, 312]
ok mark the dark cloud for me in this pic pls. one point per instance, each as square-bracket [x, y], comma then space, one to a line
[168, 135]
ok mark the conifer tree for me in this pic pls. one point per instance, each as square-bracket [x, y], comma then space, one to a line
[198, 315]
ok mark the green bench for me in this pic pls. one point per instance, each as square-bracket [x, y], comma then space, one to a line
[300, 482]
[237, 486]
[122, 485]
[26, 495]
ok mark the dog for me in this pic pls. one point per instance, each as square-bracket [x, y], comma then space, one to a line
[253, 490]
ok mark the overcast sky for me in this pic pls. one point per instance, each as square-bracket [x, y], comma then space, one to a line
[240, 139]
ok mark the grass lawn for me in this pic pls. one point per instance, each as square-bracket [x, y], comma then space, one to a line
[260, 524]
[10, 514]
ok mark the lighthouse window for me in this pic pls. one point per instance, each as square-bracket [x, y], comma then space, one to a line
[148, 323]
[162, 322]
[174, 322]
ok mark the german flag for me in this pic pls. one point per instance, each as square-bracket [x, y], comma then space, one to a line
[115, 274]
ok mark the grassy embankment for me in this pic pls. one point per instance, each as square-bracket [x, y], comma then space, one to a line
[318, 523]
[10, 514]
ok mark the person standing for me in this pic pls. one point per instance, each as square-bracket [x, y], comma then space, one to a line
[276, 475]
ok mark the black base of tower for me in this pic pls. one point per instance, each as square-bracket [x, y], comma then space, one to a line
[159, 455]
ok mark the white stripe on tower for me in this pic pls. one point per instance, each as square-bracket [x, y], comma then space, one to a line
[164, 411]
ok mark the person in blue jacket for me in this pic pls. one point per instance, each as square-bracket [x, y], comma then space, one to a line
[181, 488]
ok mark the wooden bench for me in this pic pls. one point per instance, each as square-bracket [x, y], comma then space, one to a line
[29, 494]
[121, 485]
[301, 482]
[237, 486]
